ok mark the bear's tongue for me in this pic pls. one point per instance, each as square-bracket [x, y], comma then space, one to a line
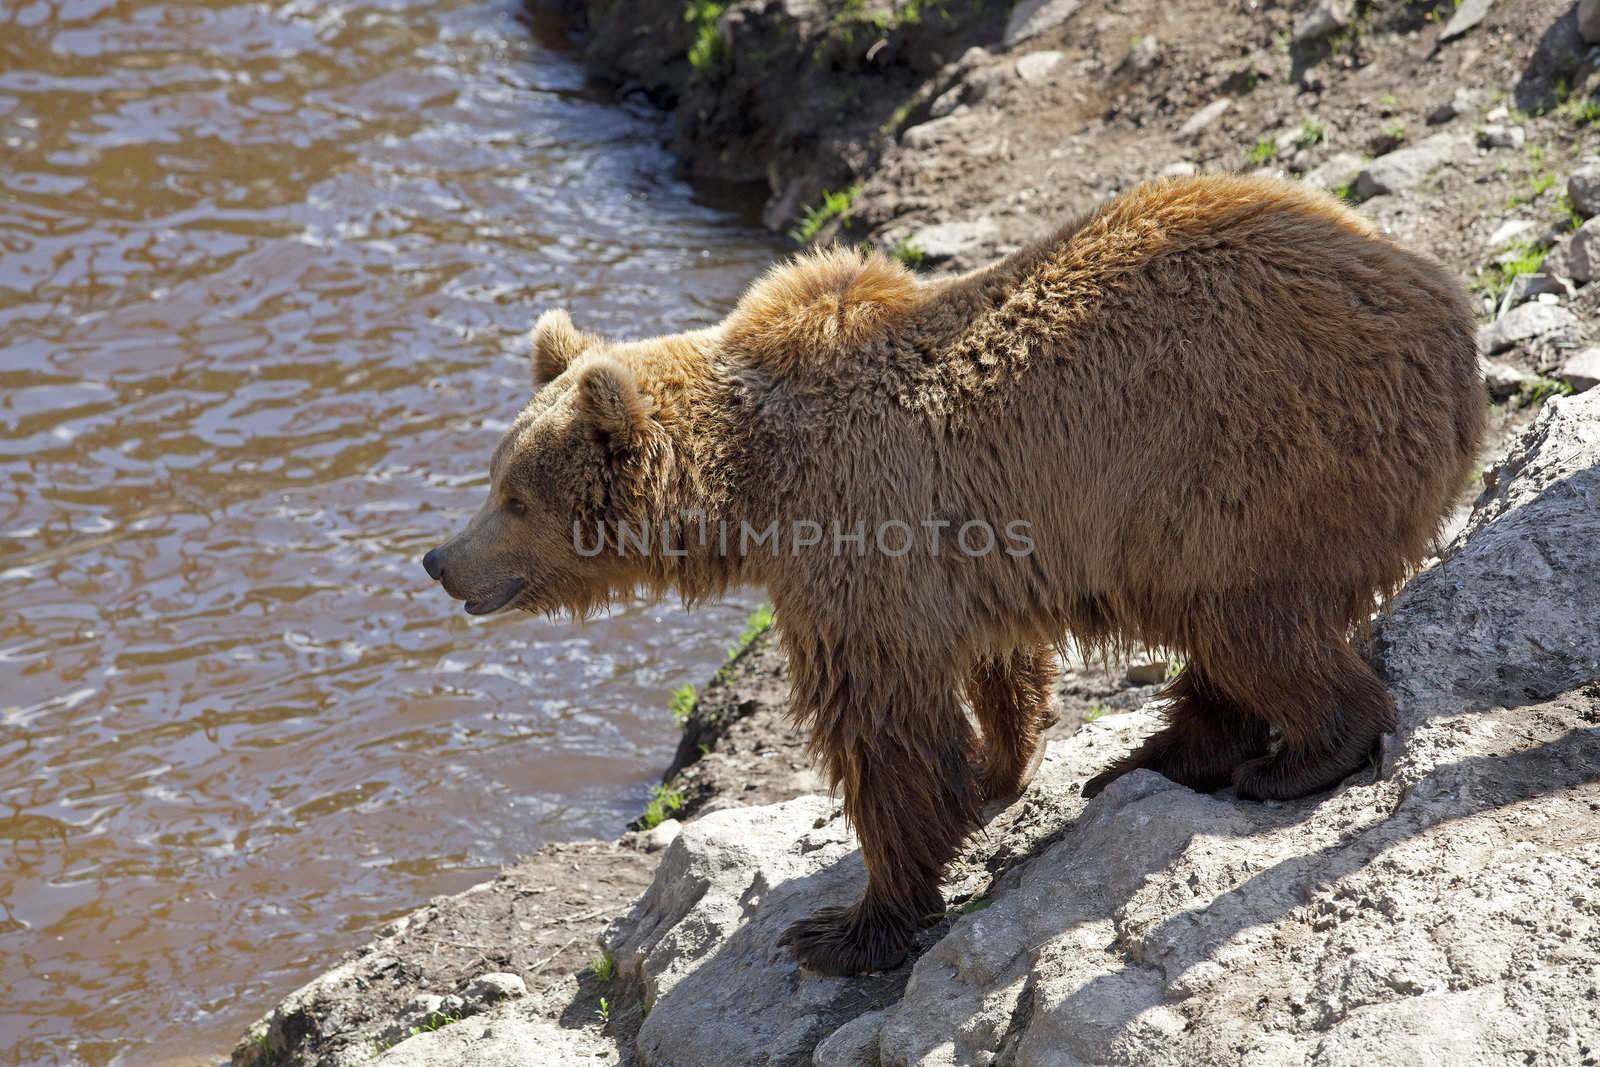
[497, 599]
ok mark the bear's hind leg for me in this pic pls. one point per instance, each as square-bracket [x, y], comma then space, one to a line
[1328, 721]
[1010, 696]
[1205, 738]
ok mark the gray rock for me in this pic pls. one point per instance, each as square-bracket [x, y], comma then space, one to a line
[702, 946]
[1583, 189]
[1526, 287]
[1510, 231]
[1035, 67]
[1338, 171]
[946, 102]
[1504, 380]
[1183, 168]
[1464, 101]
[1501, 136]
[1032, 17]
[661, 835]
[1407, 168]
[1589, 20]
[1147, 673]
[1582, 371]
[1525, 323]
[1468, 15]
[947, 240]
[1323, 18]
[1196, 123]
[855, 1044]
[1580, 253]
[931, 134]
[1143, 55]
[507, 1038]
[496, 986]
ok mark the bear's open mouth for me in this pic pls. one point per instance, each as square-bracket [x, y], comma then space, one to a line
[498, 599]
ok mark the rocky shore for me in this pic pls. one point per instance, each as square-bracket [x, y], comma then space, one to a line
[1443, 907]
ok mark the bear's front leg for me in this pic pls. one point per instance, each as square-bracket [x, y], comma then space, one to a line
[902, 761]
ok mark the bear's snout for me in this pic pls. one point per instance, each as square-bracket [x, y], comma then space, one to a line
[433, 564]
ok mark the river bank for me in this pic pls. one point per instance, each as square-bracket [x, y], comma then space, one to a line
[1437, 910]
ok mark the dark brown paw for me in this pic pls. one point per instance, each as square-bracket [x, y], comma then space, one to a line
[999, 789]
[1289, 775]
[839, 941]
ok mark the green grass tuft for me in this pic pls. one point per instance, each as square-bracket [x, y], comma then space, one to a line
[663, 802]
[1263, 153]
[683, 702]
[834, 205]
[1496, 278]
[707, 52]
[603, 967]
[1095, 712]
[1584, 112]
[908, 253]
[1312, 133]
[1541, 389]
[757, 624]
[436, 1020]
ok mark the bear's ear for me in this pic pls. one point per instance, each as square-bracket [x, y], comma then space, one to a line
[820, 306]
[556, 343]
[609, 395]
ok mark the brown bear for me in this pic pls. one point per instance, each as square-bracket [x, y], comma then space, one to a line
[1219, 416]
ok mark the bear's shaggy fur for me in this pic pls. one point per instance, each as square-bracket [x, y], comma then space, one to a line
[1230, 414]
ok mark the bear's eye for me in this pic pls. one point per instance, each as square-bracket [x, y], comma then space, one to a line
[516, 507]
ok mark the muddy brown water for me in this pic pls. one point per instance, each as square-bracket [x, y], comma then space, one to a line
[265, 275]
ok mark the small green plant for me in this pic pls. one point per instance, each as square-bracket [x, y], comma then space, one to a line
[1539, 390]
[266, 1055]
[754, 627]
[1395, 131]
[436, 1020]
[1583, 112]
[706, 53]
[1388, 102]
[1095, 712]
[1568, 211]
[1312, 133]
[976, 904]
[1346, 191]
[603, 967]
[1263, 153]
[834, 206]
[683, 702]
[897, 120]
[908, 253]
[1496, 278]
[603, 1012]
[1540, 185]
[663, 802]
[1175, 667]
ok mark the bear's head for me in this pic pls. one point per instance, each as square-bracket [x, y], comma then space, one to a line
[573, 463]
